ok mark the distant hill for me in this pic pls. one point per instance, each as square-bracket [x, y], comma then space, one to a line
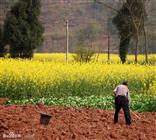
[81, 13]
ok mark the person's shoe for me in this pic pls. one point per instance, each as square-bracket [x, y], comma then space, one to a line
[128, 124]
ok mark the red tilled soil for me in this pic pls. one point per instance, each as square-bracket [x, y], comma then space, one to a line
[23, 122]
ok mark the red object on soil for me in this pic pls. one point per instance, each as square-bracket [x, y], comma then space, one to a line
[23, 122]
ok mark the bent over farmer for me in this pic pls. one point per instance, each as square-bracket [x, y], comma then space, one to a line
[122, 99]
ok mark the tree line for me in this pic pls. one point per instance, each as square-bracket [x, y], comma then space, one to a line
[23, 31]
[130, 22]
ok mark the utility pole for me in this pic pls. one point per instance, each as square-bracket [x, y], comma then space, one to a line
[108, 47]
[67, 40]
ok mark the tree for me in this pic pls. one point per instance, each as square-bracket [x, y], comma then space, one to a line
[22, 29]
[83, 54]
[85, 38]
[13, 2]
[130, 23]
[121, 21]
[2, 50]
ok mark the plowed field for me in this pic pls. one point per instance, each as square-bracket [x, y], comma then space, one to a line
[23, 122]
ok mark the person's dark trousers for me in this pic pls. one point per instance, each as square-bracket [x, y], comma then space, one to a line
[122, 102]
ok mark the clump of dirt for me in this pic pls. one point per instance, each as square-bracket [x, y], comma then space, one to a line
[23, 122]
[3, 100]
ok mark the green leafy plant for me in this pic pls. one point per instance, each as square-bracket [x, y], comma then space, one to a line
[139, 103]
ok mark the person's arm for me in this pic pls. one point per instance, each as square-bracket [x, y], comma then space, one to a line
[114, 91]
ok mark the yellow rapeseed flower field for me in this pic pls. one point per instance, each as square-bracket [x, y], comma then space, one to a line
[49, 75]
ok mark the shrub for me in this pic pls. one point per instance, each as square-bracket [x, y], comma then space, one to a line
[84, 54]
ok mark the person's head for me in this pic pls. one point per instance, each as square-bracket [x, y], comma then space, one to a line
[125, 83]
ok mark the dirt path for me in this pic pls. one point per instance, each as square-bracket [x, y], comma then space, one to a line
[23, 122]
